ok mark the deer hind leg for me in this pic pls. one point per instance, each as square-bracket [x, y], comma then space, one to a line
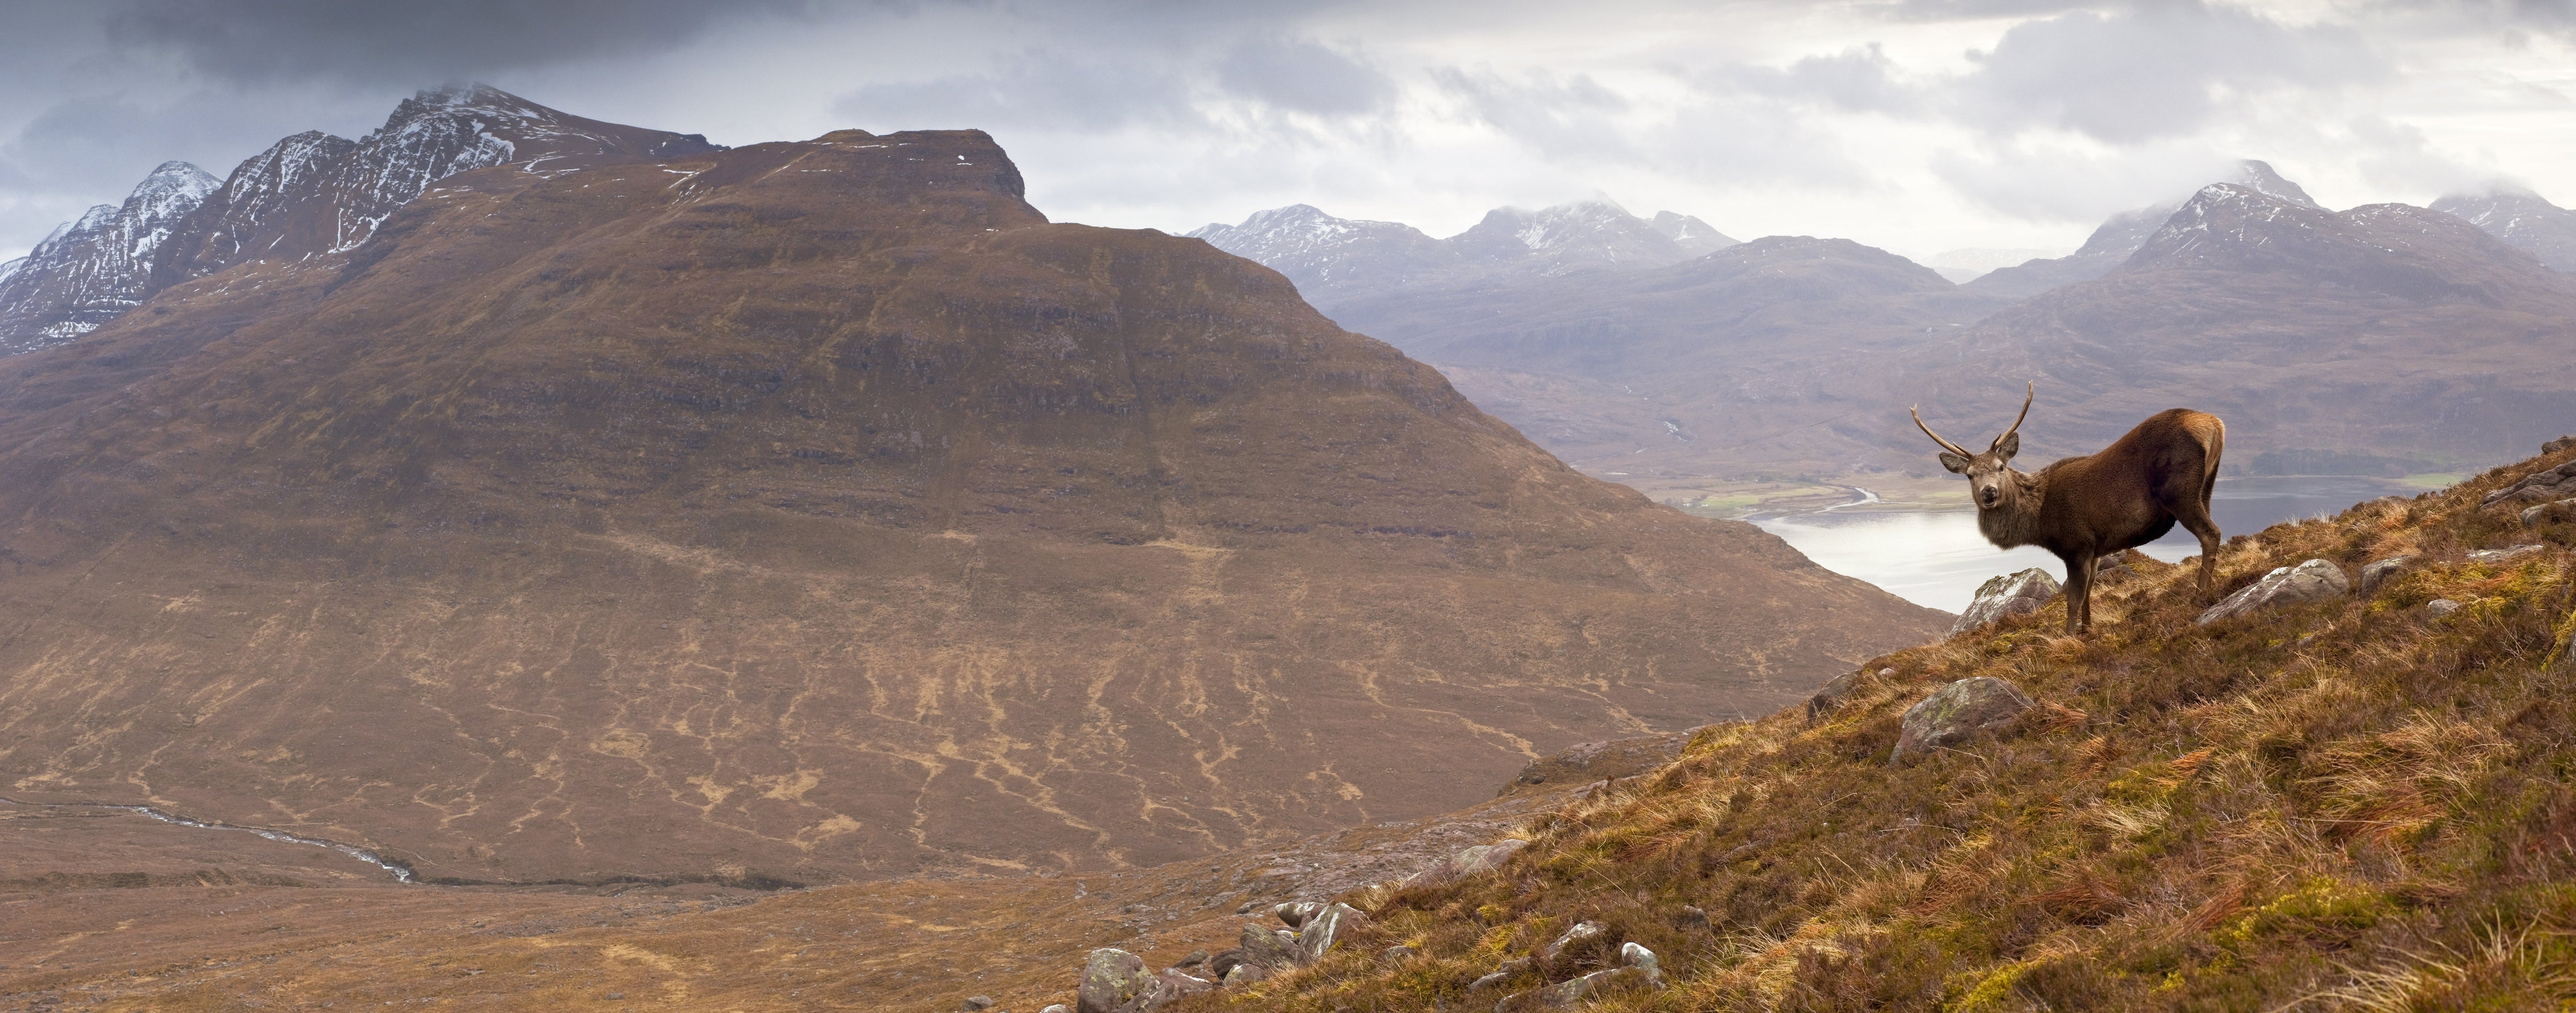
[2079, 593]
[2194, 517]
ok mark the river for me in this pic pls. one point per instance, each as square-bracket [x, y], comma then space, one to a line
[1937, 558]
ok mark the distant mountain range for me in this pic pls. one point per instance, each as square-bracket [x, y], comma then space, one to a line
[1333, 259]
[307, 195]
[1781, 356]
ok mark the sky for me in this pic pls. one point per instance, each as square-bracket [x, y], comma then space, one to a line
[1919, 126]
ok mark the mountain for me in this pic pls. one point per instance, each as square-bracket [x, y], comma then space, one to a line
[2385, 330]
[1322, 253]
[1336, 259]
[2118, 237]
[308, 195]
[1695, 237]
[92, 269]
[817, 510]
[2521, 218]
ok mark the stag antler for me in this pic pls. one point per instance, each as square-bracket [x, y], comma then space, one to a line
[2016, 426]
[1936, 437]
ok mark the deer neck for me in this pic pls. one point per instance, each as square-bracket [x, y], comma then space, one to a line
[2014, 519]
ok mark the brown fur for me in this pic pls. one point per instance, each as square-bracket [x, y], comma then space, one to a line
[2123, 496]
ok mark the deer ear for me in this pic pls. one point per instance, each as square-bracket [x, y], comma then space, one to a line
[2011, 445]
[1958, 465]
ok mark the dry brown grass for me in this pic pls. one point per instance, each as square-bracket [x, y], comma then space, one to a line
[2342, 805]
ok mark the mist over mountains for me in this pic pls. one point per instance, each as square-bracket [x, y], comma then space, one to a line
[2393, 330]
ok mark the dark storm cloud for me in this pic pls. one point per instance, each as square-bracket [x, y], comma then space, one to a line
[412, 42]
[2154, 71]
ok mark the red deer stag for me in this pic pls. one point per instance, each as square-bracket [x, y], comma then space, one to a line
[2084, 508]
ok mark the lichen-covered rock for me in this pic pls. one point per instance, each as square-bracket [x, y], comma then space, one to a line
[1323, 927]
[2555, 483]
[1467, 862]
[1640, 970]
[1172, 985]
[1267, 948]
[2555, 512]
[2378, 573]
[2439, 607]
[1113, 981]
[2511, 552]
[1956, 713]
[1572, 936]
[1830, 697]
[2314, 580]
[1295, 912]
[2008, 595]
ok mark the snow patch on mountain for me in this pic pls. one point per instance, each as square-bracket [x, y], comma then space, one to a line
[97, 266]
[2521, 218]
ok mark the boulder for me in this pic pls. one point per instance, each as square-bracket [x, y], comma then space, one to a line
[2555, 483]
[2378, 573]
[2008, 595]
[1323, 926]
[2439, 607]
[1114, 981]
[1489, 981]
[2314, 580]
[1055, 1008]
[1295, 912]
[2504, 554]
[1173, 985]
[2558, 444]
[975, 1004]
[1467, 862]
[1640, 970]
[1242, 974]
[1692, 919]
[1830, 698]
[1956, 713]
[1396, 954]
[1269, 949]
[2553, 512]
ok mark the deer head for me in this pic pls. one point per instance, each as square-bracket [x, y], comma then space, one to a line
[1985, 471]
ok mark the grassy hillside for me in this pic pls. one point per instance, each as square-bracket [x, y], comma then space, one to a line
[2348, 804]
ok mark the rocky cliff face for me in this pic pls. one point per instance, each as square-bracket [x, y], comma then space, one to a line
[91, 270]
[2521, 218]
[819, 510]
[308, 195]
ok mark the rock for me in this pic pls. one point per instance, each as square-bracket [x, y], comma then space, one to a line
[2555, 483]
[2314, 580]
[1113, 981]
[1173, 985]
[2004, 596]
[1246, 907]
[1323, 926]
[1397, 954]
[1242, 974]
[1642, 959]
[1055, 1008]
[2439, 607]
[1830, 698]
[975, 1004]
[1956, 713]
[2556, 445]
[1580, 932]
[1692, 919]
[2378, 573]
[1296, 912]
[1640, 969]
[1467, 862]
[2503, 554]
[1269, 949]
[2550, 513]
[1195, 958]
[1488, 981]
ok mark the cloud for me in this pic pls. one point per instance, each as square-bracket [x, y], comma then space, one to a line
[2157, 71]
[1039, 90]
[1860, 79]
[1300, 75]
[1558, 115]
[2041, 180]
[409, 42]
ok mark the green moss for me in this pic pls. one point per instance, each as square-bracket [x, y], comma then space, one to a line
[1992, 989]
[2321, 908]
